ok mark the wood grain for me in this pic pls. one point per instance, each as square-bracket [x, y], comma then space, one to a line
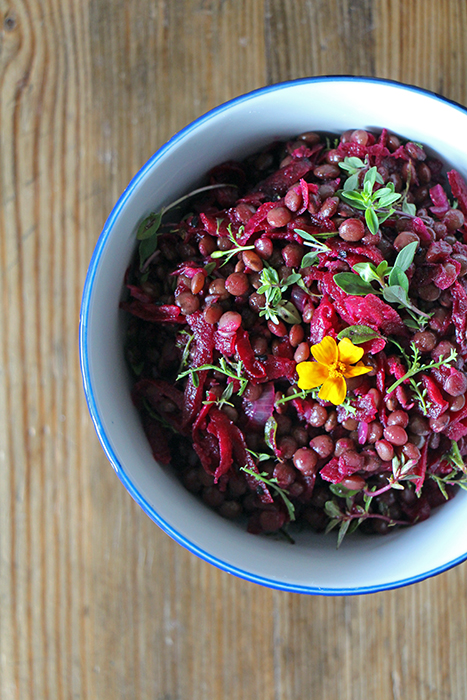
[95, 602]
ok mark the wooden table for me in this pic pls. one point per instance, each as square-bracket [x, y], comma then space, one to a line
[96, 602]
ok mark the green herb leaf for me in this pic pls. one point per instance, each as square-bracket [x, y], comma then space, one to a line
[288, 312]
[292, 279]
[395, 295]
[387, 199]
[332, 509]
[382, 216]
[331, 525]
[358, 334]
[409, 208]
[344, 526]
[382, 269]
[341, 491]
[209, 268]
[416, 366]
[455, 457]
[351, 183]
[410, 323]
[406, 255]
[270, 429]
[366, 271]
[312, 242]
[149, 226]
[273, 289]
[351, 164]
[309, 259]
[398, 278]
[355, 199]
[370, 179]
[372, 221]
[352, 284]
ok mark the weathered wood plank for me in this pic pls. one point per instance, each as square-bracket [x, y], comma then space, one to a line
[95, 601]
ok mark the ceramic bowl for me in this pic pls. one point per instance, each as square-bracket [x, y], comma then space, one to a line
[233, 130]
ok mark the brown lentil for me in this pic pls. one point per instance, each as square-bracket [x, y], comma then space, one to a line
[398, 418]
[318, 416]
[278, 329]
[187, 302]
[237, 284]
[264, 247]
[293, 200]
[404, 239]
[229, 322]
[252, 260]
[353, 482]
[395, 435]
[278, 217]
[375, 432]
[326, 171]
[385, 450]
[352, 230]
[322, 445]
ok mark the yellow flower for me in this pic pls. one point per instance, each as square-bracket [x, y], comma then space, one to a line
[331, 368]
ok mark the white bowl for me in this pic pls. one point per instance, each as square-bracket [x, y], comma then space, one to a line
[233, 130]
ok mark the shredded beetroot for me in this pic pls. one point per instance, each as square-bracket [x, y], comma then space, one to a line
[261, 409]
[459, 189]
[279, 182]
[373, 312]
[151, 312]
[220, 426]
[203, 338]
[324, 321]
[227, 306]
[253, 367]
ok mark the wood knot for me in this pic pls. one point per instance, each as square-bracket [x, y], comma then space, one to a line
[9, 23]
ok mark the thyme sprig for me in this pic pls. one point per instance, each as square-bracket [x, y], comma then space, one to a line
[148, 230]
[393, 282]
[156, 416]
[455, 458]
[311, 241]
[402, 470]
[377, 205]
[273, 288]
[223, 400]
[454, 478]
[234, 370]
[274, 485]
[231, 252]
[349, 516]
[415, 365]
[185, 347]
[313, 393]
[458, 475]
[354, 166]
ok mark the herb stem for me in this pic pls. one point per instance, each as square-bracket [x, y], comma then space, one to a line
[383, 489]
[206, 188]
[417, 368]
[272, 483]
[377, 516]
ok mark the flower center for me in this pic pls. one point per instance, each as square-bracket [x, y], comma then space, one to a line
[337, 369]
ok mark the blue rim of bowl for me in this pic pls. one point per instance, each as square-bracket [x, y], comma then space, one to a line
[85, 369]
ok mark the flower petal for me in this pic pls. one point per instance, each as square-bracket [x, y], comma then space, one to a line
[348, 352]
[333, 390]
[325, 351]
[311, 374]
[356, 371]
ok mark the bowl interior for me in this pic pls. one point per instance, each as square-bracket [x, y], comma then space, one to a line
[234, 130]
